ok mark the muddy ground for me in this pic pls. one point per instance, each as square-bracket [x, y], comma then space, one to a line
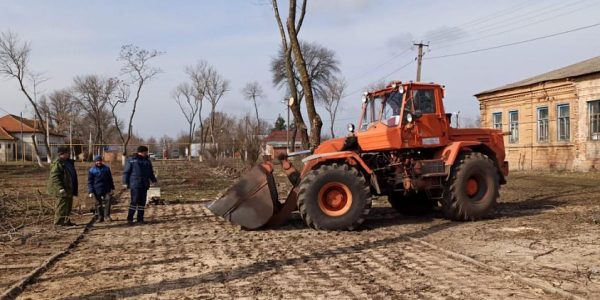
[541, 243]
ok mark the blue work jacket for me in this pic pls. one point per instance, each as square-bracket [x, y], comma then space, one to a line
[100, 181]
[138, 172]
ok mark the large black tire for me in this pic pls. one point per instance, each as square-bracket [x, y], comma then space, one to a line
[413, 204]
[472, 189]
[327, 182]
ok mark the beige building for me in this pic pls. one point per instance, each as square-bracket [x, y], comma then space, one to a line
[551, 121]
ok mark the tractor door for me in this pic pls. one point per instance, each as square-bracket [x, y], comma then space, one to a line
[430, 120]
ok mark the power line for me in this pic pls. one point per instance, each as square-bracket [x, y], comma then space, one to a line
[381, 64]
[515, 43]
[382, 78]
[484, 19]
[552, 17]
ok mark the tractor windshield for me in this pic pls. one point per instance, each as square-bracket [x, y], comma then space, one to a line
[385, 109]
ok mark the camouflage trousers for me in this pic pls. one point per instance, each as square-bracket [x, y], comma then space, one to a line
[64, 206]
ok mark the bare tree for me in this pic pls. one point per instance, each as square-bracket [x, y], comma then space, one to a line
[320, 63]
[251, 91]
[216, 87]
[184, 97]
[61, 108]
[197, 74]
[92, 93]
[136, 67]
[293, 90]
[329, 95]
[120, 97]
[14, 63]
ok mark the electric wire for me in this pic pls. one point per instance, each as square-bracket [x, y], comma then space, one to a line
[552, 17]
[514, 43]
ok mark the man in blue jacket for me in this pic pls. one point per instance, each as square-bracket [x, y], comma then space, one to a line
[137, 176]
[101, 186]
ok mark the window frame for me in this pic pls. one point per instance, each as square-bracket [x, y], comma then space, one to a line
[494, 123]
[567, 135]
[545, 138]
[513, 138]
[593, 136]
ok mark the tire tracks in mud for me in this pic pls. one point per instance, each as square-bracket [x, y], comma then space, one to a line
[198, 254]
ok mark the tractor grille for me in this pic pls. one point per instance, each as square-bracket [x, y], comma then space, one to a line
[433, 166]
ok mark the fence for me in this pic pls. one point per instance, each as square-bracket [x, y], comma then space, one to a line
[113, 152]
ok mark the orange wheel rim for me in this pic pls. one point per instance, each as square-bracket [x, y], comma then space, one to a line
[335, 199]
[472, 187]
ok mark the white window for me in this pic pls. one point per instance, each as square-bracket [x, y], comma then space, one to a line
[594, 112]
[564, 122]
[513, 121]
[497, 120]
[542, 124]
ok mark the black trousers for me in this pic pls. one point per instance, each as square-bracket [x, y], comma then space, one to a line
[102, 206]
[138, 202]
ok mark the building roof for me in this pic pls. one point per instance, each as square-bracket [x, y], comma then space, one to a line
[280, 136]
[5, 136]
[585, 67]
[12, 124]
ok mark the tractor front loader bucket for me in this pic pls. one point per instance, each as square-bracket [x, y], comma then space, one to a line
[253, 202]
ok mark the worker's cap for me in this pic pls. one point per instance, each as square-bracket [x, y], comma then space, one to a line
[63, 150]
[142, 149]
[98, 158]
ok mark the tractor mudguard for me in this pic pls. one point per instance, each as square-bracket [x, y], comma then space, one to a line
[351, 157]
[450, 152]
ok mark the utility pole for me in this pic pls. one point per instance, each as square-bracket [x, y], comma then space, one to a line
[49, 155]
[22, 141]
[420, 58]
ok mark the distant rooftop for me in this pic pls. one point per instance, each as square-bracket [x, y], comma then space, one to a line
[585, 67]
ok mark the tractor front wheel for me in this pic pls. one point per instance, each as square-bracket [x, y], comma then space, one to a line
[472, 189]
[334, 197]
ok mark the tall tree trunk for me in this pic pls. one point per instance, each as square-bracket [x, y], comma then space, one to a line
[289, 70]
[314, 118]
[256, 110]
[37, 152]
[37, 113]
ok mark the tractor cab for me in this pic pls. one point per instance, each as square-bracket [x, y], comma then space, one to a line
[401, 115]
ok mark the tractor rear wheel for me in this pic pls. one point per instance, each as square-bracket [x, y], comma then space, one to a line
[334, 197]
[472, 189]
[413, 204]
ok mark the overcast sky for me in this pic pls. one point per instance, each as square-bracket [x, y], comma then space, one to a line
[371, 40]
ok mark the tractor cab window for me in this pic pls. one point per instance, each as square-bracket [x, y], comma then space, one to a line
[422, 101]
[382, 109]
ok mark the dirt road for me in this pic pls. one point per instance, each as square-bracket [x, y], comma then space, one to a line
[186, 252]
[542, 243]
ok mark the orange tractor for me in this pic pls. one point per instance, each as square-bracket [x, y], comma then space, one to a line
[404, 148]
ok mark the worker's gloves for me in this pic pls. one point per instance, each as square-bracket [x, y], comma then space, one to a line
[125, 186]
[62, 192]
[91, 195]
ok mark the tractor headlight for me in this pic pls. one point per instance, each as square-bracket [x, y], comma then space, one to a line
[351, 128]
[409, 117]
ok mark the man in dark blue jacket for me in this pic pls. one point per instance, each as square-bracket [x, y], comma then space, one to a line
[101, 186]
[137, 176]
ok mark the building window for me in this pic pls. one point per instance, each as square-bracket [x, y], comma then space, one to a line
[513, 121]
[497, 120]
[542, 124]
[564, 122]
[9, 146]
[594, 112]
